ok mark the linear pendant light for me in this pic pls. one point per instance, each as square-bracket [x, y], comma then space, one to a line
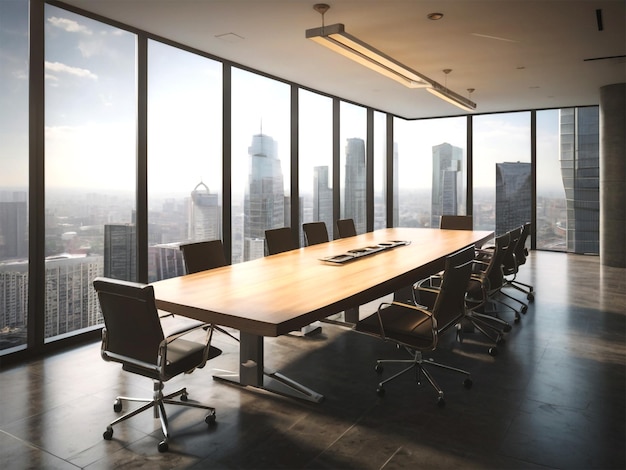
[335, 38]
[338, 40]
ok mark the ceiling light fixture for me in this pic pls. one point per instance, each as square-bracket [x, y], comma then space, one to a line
[335, 38]
[443, 92]
[338, 40]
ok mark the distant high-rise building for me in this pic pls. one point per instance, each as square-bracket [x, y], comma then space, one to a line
[322, 197]
[447, 174]
[165, 260]
[580, 170]
[354, 184]
[120, 248]
[513, 195]
[13, 227]
[71, 301]
[204, 215]
[264, 198]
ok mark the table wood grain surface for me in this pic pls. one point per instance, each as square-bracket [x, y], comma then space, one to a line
[277, 294]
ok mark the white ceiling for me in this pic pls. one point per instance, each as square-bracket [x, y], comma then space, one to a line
[516, 54]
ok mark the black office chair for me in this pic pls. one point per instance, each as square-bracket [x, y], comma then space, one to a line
[488, 279]
[521, 254]
[346, 228]
[315, 233]
[417, 328]
[133, 336]
[201, 256]
[278, 240]
[456, 222]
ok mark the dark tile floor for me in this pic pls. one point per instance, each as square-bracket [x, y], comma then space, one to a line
[553, 398]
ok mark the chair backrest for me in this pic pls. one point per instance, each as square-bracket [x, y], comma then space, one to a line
[346, 228]
[315, 232]
[456, 222]
[131, 319]
[521, 252]
[278, 240]
[449, 306]
[494, 271]
[200, 256]
[509, 261]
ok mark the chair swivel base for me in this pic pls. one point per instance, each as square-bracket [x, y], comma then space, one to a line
[157, 403]
[419, 364]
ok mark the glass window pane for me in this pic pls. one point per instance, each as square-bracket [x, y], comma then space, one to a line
[14, 175]
[353, 136]
[184, 155]
[502, 176]
[90, 165]
[316, 159]
[432, 170]
[261, 129]
[551, 207]
[380, 170]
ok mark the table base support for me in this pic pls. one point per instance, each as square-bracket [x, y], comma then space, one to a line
[275, 382]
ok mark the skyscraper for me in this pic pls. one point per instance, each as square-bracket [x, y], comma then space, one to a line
[264, 199]
[354, 184]
[322, 197]
[513, 195]
[580, 169]
[120, 242]
[204, 215]
[447, 174]
[13, 226]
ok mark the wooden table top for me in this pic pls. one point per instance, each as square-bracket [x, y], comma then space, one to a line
[277, 294]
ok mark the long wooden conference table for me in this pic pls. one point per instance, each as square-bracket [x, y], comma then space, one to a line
[278, 294]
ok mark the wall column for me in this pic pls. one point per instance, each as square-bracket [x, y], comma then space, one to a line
[613, 175]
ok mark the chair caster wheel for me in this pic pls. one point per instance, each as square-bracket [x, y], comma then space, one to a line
[531, 297]
[517, 319]
[493, 351]
[380, 391]
[163, 446]
[184, 397]
[379, 368]
[467, 383]
[441, 402]
[108, 434]
[524, 309]
[117, 406]
[210, 418]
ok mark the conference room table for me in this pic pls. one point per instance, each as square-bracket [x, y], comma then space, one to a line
[282, 293]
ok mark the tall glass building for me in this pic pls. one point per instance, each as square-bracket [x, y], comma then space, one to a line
[580, 169]
[354, 188]
[513, 196]
[447, 174]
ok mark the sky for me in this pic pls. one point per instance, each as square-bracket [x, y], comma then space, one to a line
[91, 116]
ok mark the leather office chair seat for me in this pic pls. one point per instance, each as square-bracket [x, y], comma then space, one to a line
[134, 337]
[417, 328]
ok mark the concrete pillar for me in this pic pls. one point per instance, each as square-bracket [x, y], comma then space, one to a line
[613, 175]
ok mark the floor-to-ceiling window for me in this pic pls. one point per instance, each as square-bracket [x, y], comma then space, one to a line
[352, 144]
[14, 174]
[261, 142]
[431, 161]
[315, 158]
[90, 162]
[551, 207]
[502, 182]
[380, 170]
[184, 155]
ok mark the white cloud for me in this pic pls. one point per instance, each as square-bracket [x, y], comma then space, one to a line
[57, 67]
[69, 25]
